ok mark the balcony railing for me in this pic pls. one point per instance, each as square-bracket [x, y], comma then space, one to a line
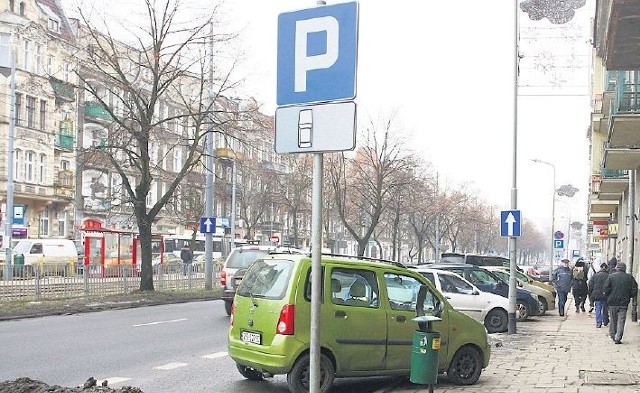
[614, 173]
[65, 142]
[96, 110]
[63, 90]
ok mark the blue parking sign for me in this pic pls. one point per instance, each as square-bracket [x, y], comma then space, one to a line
[317, 51]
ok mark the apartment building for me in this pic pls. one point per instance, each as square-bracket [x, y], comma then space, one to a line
[36, 35]
[615, 140]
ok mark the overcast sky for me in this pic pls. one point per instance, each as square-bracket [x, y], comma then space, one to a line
[446, 70]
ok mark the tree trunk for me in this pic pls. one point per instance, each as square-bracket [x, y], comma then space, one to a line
[146, 271]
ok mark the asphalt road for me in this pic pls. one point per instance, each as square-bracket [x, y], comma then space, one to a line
[168, 348]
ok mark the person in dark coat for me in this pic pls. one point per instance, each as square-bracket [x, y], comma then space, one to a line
[596, 294]
[562, 281]
[619, 288]
[612, 264]
[579, 286]
[187, 257]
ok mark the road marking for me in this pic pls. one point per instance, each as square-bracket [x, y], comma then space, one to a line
[215, 355]
[112, 380]
[159, 322]
[170, 366]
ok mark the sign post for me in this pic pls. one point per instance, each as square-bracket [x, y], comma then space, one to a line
[317, 52]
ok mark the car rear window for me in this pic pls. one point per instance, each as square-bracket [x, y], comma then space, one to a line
[267, 279]
[241, 259]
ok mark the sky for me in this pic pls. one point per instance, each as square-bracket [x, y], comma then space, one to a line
[445, 71]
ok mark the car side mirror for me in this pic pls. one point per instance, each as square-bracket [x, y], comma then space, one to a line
[519, 284]
[475, 292]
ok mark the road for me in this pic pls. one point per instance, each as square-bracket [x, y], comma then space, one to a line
[169, 348]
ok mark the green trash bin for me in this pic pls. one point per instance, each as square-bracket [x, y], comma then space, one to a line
[424, 357]
[18, 265]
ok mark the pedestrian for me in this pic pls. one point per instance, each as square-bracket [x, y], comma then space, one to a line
[612, 264]
[579, 286]
[594, 267]
[619, 288]
[562, 281]
[596, 294]
[186, 256]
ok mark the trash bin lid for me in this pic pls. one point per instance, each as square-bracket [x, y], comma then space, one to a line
[426, 318]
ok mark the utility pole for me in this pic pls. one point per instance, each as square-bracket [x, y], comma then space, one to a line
[8, 225]
[210, 172]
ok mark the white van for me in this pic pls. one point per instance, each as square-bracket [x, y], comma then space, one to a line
[50, 254]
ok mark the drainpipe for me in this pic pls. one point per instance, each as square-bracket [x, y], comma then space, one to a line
[631, 237]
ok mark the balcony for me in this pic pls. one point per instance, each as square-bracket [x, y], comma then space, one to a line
[613, 183]
[63, 184]
[96, 110]
[64, 142]
[64, 91]
[622, 150]
[617, 34]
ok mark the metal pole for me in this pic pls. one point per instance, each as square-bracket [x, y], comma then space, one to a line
[210, 168]
[514, 189]
[316, 276]
[631, 237]
[233, 204]
[8, 226]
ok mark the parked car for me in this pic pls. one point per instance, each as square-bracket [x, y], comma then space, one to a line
[271, 318]
[236, 263]
[486, 307]
[526, 302]
[547, 299]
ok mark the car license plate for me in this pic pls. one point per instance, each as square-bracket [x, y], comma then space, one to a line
[251, 337]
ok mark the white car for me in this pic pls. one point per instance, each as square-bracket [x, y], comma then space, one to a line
[486, 307]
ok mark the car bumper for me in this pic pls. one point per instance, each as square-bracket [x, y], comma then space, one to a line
[228, 295]
[277, 358]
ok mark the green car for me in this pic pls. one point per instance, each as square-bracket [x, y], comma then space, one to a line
[366, 325]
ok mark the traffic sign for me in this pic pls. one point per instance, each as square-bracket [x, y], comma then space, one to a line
[330, 127]
[207, 225]
[317, 53]
[558, 243]
[510, 223]
[558, 235]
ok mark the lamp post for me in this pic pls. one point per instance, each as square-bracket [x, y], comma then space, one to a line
[553, 212]
[8, 225]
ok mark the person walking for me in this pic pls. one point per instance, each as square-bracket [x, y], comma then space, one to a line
[619, 288]
[579, 285]
[186, 256]
[596, 294]
[562, 281]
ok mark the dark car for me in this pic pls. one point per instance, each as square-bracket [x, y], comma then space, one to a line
[526, 302]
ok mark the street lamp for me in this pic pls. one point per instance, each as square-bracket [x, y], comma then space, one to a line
[553, 212]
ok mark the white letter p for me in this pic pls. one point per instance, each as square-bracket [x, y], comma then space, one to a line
[304, 63]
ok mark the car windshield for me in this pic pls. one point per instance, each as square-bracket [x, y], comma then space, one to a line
[483, 277]
[266, 279]
[241, 258]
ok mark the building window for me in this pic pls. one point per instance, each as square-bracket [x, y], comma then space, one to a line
[18, 108]
[177, 159]
[42, 168]
[23, 8]
[12, 5]
[44, 223]
[66, 72]
[43, 114]
[50, 65]
[29, 159]
[53, 25]
[39, 67]
[17, 164]
[5, 50]
[65, 165]
[26, 54]
[62, 224]
[31, 112]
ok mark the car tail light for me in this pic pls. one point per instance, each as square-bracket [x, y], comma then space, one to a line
[223, 278]
[233, 309]
[285, 323]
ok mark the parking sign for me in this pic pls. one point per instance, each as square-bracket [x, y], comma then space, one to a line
[317, 51]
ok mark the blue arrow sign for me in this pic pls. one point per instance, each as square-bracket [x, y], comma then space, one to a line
[510, 223]
[207, 225]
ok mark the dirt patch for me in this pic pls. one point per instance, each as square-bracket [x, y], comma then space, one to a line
[28, 385]
[17, 309]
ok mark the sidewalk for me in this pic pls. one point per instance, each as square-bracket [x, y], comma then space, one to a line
[553, 354]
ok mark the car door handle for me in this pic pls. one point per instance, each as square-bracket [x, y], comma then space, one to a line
[400, 318]
[340, 314]
[448, 297]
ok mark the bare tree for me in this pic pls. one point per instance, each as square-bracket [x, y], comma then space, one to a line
[366, 184]
[294, 189]
[156, 91]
